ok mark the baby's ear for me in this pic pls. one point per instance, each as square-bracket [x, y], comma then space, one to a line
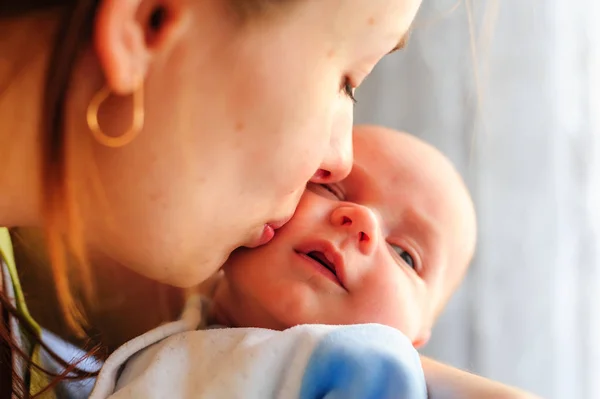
[422, 339]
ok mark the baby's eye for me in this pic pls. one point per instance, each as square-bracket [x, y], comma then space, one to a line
[404, 255]
[349, 90]
[335, 190]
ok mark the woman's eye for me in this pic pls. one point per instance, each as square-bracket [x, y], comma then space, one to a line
[405, 256]
[349, 90]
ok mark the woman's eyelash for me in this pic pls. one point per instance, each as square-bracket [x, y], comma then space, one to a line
[349, 90]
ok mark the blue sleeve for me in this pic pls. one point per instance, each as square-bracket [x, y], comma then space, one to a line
[364, 362]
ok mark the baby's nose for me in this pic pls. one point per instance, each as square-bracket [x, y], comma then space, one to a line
[360, 223]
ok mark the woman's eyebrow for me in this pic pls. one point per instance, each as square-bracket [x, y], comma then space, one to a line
[402, 42]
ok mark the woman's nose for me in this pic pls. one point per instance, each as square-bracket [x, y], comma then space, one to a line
[338, 160]
[359, 223]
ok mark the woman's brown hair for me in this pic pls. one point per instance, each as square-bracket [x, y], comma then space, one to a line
[63, 238]
[74, 32]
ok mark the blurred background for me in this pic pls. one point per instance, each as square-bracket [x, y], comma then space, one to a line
[510, 91]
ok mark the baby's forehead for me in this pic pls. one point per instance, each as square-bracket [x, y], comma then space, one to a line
[428, 183]
[403, 178]
[368, 138]
[392, 144]
[404, 161]
[396, 158]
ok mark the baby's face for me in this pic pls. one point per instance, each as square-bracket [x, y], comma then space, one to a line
[388, 245]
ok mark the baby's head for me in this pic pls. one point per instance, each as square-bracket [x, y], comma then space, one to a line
[387, 245]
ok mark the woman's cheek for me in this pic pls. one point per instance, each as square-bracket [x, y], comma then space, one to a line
[307, 165]
[343, 120]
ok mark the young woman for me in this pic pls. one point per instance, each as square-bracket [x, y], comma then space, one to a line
[156, 136]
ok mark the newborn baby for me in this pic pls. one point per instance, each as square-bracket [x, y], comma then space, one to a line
[388, 245]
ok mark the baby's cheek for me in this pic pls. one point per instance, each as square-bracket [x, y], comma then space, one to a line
[383, 302]
[295, 304]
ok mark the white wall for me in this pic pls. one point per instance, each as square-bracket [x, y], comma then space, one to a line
[521, 120]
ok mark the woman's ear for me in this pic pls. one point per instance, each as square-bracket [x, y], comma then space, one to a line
[129, 34]
[422, 339]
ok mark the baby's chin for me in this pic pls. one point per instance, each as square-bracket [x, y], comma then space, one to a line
[209, 286]
[217, 315]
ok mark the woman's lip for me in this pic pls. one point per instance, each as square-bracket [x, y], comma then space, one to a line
[266, 235]
[280, 223]
[268, 232]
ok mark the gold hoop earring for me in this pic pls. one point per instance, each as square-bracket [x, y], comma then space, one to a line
[136, 124]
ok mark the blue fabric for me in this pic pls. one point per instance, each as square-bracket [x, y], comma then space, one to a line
[69, 353]
[304, 362]
[366, 362]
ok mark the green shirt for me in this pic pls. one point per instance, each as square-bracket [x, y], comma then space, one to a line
[11, 287]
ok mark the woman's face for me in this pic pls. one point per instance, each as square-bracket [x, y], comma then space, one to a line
[239, 116]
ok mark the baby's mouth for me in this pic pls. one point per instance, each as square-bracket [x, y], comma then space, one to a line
[322, 259]
[324, 256]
